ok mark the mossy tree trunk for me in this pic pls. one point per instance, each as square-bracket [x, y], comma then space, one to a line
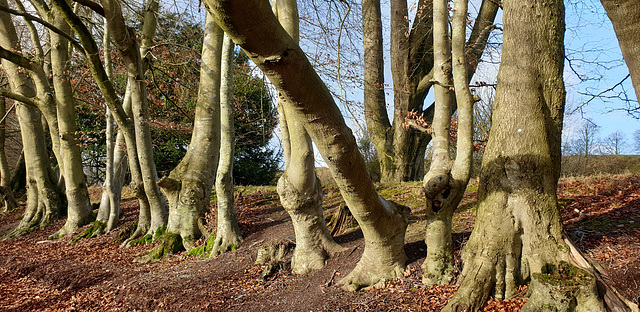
[299, 189]
[447, 180]
[188, 186]
[228, 235]
[254, 27]
[624, 16]
[518, 231]
[400, 149]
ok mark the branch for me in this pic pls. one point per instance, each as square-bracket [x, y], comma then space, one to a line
[599, 95]
[92, 5]
[20, 98]
[16, 59]
[44, 23]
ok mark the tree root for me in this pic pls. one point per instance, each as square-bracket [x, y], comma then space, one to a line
[271, 257]
[169, 243]
[94, 230]
[380, 262]
[225, 242]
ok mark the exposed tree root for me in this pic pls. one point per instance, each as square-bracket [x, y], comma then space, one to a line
[224, 242]
[90, 232]
[271, 257]
[169, 243]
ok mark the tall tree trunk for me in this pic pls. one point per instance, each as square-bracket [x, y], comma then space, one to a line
[78, 205]
[6, 193]
[188, 186]
[299, 189]
[518, 233]
[624, 15]
[401, 149]
[252, 25]
[228, 235]
[43, 201]
[446, 180]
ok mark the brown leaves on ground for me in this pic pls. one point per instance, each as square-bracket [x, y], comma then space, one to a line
[602, 216]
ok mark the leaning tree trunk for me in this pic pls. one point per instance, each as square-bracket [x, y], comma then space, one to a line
[228, 235]
[188, 186]
[252, 25]
[299, 189]
[518, 232]
[43, 203]
[78, 205]
[624, 16]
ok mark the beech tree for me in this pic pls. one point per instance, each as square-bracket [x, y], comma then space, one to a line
[254, 27]
[518, 233]
[299, 188]
[401, 149]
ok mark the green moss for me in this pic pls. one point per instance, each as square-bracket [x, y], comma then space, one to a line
[170, 243]
[565, 202]
[147, 239]
[161, 230]
[126, 232]
[198, 251]
[210, 243]
[563, 275]
[88, 233]
[234, 247]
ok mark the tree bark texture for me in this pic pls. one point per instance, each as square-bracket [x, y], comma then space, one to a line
[624, 15]
[6, 196]
[228, 235]
[299, 189]
[188, 186]
[252, 25]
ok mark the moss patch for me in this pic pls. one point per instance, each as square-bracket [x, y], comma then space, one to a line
[88, 233]
[563, 275]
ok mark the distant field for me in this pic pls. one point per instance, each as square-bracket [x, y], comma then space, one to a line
[600, 164]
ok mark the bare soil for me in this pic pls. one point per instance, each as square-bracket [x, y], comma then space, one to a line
[601, 214]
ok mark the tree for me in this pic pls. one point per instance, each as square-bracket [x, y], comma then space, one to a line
[299, 188]
[228, 235]
[252, 25]
[7, 200]
[518, 233]
[636, 139]
[400, 149]
[586, 139]
[623, 15]
[446, 181]
[615, 143]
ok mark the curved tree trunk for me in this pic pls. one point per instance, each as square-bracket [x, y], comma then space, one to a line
[624, 16]
[228, 235]
[6, 193]
[188, 186]
[299, 189]
[518, 233]
[252, 25]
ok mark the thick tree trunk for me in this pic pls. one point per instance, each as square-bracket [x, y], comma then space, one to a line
[78, 205]
[299, 188]
[228, 235]
[624, 15]
[188, 186]
[518, 232]
[252, 25]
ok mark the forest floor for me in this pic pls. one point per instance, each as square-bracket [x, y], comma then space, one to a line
[601, 214]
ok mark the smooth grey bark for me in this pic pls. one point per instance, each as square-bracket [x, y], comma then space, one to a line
[299, 188]
[188, 186]
[447, 179]
[624, 16]
[228, 235]
[253, 26]
[78, 204]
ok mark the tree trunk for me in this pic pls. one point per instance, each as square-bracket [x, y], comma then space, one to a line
[78, 205]
[252, 25]
[6, 196]
[447, 180]
[43, 201]
[624, 15]
[518, 232]
[228, 235]
[188, 186]
[299, 189]
[401, 149]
